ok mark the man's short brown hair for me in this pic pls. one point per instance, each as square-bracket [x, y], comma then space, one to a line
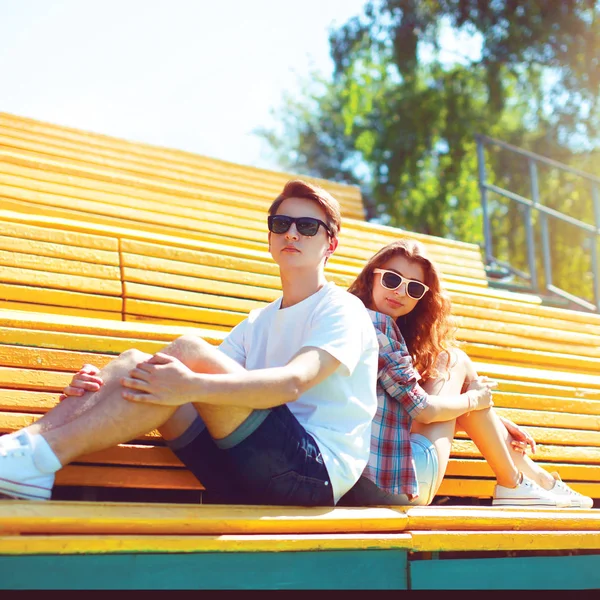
[301, 189]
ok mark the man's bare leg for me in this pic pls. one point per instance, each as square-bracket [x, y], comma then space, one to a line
[110, 420]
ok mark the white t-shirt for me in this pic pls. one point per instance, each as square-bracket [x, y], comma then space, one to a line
[338, 411]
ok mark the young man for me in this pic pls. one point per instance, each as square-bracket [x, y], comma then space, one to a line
[280, 413]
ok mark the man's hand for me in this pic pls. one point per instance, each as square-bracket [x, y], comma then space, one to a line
[85, 380]
[521, 438]
[162, 379]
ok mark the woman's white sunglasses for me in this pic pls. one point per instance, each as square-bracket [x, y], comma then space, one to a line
[392, 281]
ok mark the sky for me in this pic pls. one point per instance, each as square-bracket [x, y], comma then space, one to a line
[196, 75]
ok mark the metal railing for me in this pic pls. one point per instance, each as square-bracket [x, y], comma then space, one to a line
[543, 214]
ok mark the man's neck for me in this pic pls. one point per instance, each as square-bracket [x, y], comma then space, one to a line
[300, 284]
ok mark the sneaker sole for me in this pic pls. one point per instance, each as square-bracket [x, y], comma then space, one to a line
[525, 502]
[25, 491]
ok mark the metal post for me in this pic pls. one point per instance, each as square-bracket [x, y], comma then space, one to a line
[487, 235]
[535, 198]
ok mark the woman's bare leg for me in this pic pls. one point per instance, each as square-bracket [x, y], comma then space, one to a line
[454, 374]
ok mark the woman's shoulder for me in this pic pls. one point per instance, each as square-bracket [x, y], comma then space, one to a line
[385, 324]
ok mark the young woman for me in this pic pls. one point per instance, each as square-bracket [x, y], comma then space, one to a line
[427, 388]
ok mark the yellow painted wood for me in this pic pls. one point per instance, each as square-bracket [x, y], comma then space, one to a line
[101, 245]
[141, 291]
[545, 418]
[59, 310]
[58, 544]
[556, 404]
[33, 379]
[134, 250]
[55, 250]
[82, 342]
[348, 195]
[540, 337]
[75, 283]
[492, 518]
[536, 375]
[13, 421]
[465, 467]
[167, 269]
[209, 322]
[561, 448]
[484, 488]
[110, 476]
[43, 358]
[27, 401]
[552, 388]
[493, 317]
[139, 518]
[58, 265]
[440, 541]
[61, 298]
[99, 328]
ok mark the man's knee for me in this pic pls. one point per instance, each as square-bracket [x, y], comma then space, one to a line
[133, 356]
[189, 348]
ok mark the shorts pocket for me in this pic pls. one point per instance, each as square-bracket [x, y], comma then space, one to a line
[292, 489]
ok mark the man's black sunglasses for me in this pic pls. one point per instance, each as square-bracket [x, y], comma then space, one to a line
[305, 225]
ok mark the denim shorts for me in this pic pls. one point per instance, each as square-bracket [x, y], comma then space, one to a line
[425, 460]
[269, 459]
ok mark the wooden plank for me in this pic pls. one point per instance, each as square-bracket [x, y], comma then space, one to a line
[179, 322]
[140, 291]
[127, 477]
[43, 358]
[518, 573]
[106, 246]
[74, 300]
[322, 570]
[465, 467]
[484, 488]
[546, 402]
[166, 270]
[545, 418]
[173, 519]
[71, 282]
[570, 342]
[506, 519]
[195, 315]
[33, 379]
[52, 249]
[107, 544]
[59, 310]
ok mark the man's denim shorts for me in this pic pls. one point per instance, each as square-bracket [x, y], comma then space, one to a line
[268, 459]
[425, 459]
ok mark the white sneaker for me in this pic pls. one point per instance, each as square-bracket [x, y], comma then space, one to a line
[528, 493]
[19, 476]
[576, 499]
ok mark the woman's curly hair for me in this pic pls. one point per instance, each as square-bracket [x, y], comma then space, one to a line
[428, 329]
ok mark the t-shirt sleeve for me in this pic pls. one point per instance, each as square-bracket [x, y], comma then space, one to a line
[397, 374]
[234, 344]
[342, 328]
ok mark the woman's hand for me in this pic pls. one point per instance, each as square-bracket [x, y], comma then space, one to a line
[480, 393]
[162, 379]
[87, 379]
[521, 438]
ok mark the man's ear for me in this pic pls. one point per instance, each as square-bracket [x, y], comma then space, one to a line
[333, 244]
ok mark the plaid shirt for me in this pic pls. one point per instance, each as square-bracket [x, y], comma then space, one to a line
[400, 399]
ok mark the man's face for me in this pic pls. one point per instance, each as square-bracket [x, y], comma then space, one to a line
[294, 250]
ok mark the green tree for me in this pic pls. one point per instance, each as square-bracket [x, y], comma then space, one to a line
[400, 113]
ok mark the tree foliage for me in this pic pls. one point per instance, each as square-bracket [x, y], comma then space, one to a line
[400, 113]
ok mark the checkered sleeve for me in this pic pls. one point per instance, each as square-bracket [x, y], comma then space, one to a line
[397, 374]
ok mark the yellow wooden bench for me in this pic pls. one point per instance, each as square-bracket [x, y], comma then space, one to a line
[91, 545]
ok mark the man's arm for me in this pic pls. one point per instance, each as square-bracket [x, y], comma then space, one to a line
[165, 380]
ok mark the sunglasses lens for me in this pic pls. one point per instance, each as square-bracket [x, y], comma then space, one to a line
[279, 224]
[390, 280]
[307, 226]
[415, 290]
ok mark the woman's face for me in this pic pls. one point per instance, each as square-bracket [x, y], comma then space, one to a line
[396, 303]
